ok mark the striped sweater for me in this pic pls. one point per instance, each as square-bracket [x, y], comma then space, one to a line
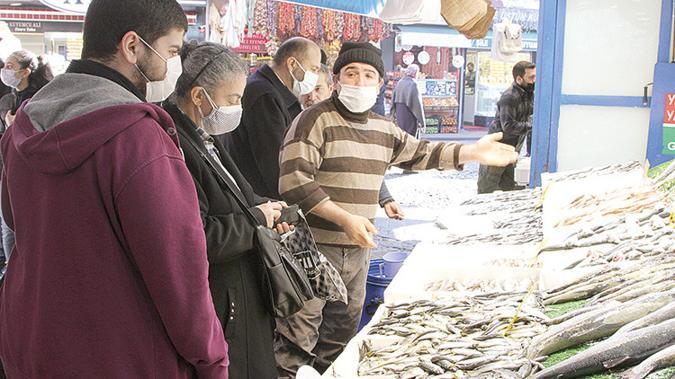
[331, 153]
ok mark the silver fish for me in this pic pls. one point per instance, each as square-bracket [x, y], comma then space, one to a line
[611, 353]
[662, 359]
[599, 323]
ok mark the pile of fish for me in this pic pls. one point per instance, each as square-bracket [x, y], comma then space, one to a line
[623, 201]
[516, 217]
[639, 329]
[511, 285]
[643, 233]
[479, 336]
[596, 171]
[614, 282]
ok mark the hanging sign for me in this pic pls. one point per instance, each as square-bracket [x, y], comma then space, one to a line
[423, 57]
[68, 6]
[408, 58]
[25, 26]
[458, 61]
[669, 125]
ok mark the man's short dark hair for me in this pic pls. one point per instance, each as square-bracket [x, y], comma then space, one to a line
[107, 21]
[293, 47]
[520, 67]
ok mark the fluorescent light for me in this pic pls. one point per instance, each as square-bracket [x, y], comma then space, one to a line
[15, 4]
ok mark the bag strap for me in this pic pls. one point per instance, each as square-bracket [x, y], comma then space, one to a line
[215, 167]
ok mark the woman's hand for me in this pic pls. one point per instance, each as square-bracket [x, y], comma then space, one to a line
[9, 118]
[283, 228]
[272, 211]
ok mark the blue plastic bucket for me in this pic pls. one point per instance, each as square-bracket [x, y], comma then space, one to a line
[375, 286]
[393, 262]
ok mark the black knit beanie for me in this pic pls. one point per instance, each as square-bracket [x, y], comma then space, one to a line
[360, 52]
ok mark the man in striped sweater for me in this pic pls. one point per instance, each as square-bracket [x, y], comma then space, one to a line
[333, 162]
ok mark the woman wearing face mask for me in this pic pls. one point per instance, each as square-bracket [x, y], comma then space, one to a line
[26, 74]
[207, 102]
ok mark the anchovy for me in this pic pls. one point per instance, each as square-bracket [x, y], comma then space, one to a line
[614, 352]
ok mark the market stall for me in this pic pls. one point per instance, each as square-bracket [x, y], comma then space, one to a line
[559, 282]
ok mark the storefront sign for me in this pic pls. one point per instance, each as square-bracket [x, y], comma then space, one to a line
[669, 125]
[441, 88]
[25, 26]
[255, 43]
[68, 6]
[486, 43]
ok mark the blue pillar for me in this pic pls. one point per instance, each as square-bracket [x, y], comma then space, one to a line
[664, 83]
[549, 84]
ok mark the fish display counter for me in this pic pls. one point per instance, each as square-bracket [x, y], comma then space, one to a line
[506, 302]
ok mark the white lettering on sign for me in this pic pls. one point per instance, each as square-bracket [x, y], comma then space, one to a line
[69, 6]
[670, 117]
[671, 98]
[671, 146]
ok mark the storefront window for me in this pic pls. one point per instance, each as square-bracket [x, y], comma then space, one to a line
[493, 78]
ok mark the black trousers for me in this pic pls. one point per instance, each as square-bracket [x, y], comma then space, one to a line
[491, 179]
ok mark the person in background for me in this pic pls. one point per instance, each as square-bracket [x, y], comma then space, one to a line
[379, 104]
[207, 102]
[333, 163]
[407, 102]
[26, 74]
[514, 120]
[109, 275]
[323, 91]
[270, 103]
[4, 89]
[470, 76]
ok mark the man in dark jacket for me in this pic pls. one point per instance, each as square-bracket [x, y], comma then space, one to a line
[109, 277]
[270, 104]
[514, 119]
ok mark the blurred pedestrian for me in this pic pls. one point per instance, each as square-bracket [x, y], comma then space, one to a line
[514, 120]
[407, 102]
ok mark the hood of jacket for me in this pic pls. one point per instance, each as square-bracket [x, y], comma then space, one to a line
[72, 117]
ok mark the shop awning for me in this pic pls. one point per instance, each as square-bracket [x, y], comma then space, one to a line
[444, 36]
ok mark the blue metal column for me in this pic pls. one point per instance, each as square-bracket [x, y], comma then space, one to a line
[549, 83]
[664, 83]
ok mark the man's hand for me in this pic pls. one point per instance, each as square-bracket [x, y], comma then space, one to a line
[394, 211]
[489, 152]
[359, 230]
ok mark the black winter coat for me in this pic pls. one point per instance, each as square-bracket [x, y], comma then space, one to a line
[514, 109]
[235, 269]
[269, 109]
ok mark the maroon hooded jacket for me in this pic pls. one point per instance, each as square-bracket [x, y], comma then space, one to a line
[108, 278]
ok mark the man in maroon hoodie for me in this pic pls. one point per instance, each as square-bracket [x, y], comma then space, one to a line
[109, 274]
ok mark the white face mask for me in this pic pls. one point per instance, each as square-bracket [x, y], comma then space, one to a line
[9, 78]
[307, 85]
[221, 120]
[160, 90]
[358, 99]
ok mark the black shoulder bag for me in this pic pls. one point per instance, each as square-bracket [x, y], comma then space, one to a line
[285, 281]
